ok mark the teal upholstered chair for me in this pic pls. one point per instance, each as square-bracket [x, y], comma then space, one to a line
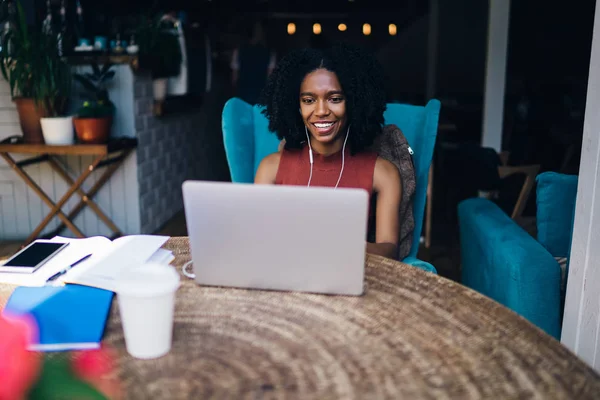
[504, 262]
[246, 138]
[247, 141]
[419, 125]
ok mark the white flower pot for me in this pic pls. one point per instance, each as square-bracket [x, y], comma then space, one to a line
[58, 130]
[160, 89]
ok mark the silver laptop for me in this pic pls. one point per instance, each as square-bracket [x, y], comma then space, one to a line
[277, 237]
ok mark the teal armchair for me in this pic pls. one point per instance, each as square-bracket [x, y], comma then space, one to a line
[420, 126]
[248, 140]
[507, 264]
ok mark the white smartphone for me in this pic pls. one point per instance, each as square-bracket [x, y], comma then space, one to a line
[33, 256]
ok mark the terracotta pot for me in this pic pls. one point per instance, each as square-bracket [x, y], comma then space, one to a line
[93, 130]
[29, 118]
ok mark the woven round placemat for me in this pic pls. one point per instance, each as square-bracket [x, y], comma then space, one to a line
[413, 335]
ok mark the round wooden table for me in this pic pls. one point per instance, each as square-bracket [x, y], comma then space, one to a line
[413, 335]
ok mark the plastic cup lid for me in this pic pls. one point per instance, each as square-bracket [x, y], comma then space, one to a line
[148, 280]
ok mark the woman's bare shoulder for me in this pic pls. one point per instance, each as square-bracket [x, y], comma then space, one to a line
[272, 159]
[267, 169]
[386, 174]
[386, 167]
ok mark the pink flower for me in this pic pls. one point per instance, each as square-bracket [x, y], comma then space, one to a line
[97, 367]
[19, 367]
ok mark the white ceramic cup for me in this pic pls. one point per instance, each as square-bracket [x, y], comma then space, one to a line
[146, 297]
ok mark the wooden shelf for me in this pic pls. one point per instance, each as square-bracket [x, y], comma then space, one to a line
[87, 57]
[15, 144]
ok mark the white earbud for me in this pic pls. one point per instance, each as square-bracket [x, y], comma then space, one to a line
[310, 155]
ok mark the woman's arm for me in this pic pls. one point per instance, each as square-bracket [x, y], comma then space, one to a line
[388, 186]
[267, 169]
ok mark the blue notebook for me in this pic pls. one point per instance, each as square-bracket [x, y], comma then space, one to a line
[70, 317]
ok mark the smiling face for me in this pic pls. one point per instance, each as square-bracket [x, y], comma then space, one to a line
[323, 109]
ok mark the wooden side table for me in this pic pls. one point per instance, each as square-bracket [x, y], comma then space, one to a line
[110, 155]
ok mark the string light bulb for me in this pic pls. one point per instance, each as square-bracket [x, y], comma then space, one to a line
[291, 28]
[366, 29]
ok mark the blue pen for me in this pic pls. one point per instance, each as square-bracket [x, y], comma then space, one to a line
[64, 271]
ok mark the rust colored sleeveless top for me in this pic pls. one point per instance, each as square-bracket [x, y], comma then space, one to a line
[294, 169]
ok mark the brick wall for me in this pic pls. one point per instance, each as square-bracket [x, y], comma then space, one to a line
[172, 149]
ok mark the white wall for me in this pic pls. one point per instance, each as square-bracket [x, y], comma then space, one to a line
[21, 209]
[580, 330]
[495, 77]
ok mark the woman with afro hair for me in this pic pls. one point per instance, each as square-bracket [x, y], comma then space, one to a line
[327, 105]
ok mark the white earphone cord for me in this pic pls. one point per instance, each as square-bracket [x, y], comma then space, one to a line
[192, 275]
[310, 157]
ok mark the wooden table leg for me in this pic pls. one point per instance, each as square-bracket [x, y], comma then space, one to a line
[429, 209]
[55, 209]
[86, 200]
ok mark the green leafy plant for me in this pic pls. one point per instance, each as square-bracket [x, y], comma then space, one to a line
[98, 103]
[19, 49]
[52, 87]
[159, 52]
[29, 61]
[24, 374]
[57, 381]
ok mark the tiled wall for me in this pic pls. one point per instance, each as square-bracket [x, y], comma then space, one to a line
[172, 149]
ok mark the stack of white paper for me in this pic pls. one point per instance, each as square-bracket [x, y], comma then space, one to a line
[109, 259]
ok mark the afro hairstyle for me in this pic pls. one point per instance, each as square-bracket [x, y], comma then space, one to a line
[362, 80]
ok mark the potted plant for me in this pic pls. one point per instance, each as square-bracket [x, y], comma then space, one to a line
[25, 374]
[165, 62]
[51, 91]
[159, 53]
[20, 47]
[94, 119]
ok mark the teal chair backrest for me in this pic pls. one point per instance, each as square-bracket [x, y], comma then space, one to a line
[247, 141]
[419, 125]
[556, 195]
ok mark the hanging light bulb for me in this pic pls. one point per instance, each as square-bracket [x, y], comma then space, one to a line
[316, 29]
[291, 28]
[342, 27]
[366, 29]
[392, 29]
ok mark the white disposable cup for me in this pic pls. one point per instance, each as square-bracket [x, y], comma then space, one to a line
[146, 297]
